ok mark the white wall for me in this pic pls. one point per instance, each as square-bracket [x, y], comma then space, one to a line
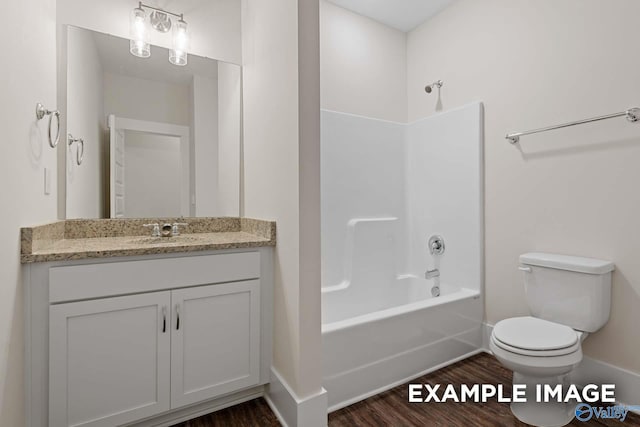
[152, 176]
[214, 25]
[229, 126]
[86, 120]
[29, 75]
[282, 171]
[149, 100]
[363, 65]
[205, 144]
[537, 63]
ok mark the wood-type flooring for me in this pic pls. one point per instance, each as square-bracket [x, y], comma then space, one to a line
[392, 408]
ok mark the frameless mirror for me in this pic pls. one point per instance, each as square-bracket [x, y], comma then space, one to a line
[149, 138]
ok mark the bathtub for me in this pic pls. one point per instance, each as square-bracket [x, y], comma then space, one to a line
[376, 343]
[387, 188]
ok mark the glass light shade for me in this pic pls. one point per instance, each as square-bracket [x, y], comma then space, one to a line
[139, 42]
[180, 45]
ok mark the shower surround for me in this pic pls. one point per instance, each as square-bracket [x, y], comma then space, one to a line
[386, 189]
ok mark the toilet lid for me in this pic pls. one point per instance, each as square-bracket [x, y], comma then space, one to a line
[530, 333]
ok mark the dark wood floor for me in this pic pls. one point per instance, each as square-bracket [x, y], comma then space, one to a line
[391, 408]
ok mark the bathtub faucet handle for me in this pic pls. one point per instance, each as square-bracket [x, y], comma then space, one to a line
[436, 245]
[430, 274]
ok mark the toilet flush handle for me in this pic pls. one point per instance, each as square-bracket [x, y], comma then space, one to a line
[525, 269]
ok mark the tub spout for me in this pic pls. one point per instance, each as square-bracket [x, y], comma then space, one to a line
[431, 274]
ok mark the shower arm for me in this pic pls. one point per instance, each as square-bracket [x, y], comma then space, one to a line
[429, 88]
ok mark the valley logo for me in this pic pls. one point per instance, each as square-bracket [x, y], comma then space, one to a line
[585, 412]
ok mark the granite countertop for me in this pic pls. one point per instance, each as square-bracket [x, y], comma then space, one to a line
[82, 239]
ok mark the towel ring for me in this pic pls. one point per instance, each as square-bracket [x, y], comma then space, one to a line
[40, 113]
[79, 150]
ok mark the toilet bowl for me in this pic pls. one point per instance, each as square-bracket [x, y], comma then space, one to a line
[536, 347]
[538, 352]
[568, 298]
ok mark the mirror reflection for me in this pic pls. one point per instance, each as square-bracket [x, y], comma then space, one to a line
[159, 139]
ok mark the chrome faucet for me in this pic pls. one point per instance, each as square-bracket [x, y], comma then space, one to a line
[432, 274]
[167, 230]
[435, 275]
[175, 229]
[155, 229]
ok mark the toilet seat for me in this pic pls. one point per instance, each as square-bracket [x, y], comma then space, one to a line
[536, 353]
[538, 365]
[530, 336]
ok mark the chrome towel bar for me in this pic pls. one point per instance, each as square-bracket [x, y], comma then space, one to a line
[632, 115]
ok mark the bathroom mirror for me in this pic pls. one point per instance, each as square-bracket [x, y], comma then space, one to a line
[150, 139]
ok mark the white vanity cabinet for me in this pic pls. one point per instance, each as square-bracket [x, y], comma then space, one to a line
[149, 341]
[109, 360]
[214, 323]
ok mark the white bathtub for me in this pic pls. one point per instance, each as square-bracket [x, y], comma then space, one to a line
[386, 189]
[372, 345]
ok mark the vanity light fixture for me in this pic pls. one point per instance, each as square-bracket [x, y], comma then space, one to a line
[159, 20]
[178, 52]
[139, 43]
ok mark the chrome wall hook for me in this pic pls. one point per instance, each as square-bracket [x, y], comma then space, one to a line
[79, 149]
[41, 111]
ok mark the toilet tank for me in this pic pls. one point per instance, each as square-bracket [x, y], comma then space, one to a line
[569, 290]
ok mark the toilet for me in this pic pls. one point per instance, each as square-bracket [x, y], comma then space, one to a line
[568, 297]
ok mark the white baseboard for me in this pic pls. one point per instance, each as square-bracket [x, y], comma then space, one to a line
[293, 411]
[627, 383]
[486, 336]
[592, 371]
[200, 409]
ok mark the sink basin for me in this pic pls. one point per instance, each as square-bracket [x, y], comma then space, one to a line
[165, 240]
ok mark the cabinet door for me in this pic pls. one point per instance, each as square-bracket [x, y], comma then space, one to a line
[215, 340]
[109, 360]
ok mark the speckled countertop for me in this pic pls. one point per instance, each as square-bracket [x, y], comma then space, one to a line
[81, 239]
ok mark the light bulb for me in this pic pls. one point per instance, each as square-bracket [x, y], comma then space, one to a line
[139, 43]
[180, 45]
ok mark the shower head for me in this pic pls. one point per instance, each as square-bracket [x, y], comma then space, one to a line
[429, 88]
